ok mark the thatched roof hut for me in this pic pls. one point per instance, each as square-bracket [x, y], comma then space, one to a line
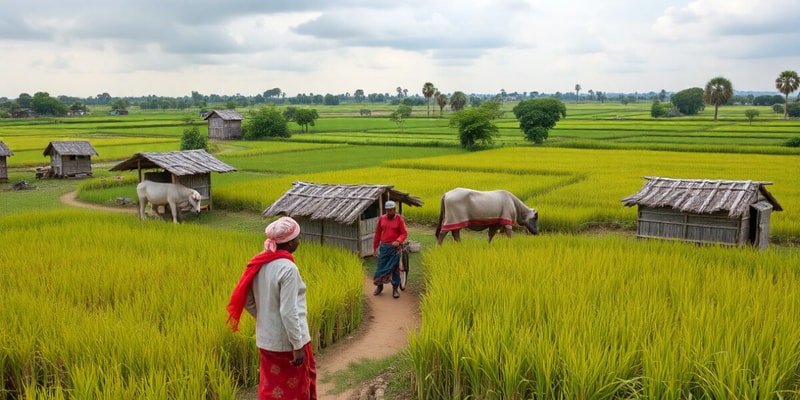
[224, 124]
[337, 214]
[70, 158]
[191, 168]
[4, 152]
[705, 211]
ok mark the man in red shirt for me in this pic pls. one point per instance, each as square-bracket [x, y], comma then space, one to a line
[390, 232]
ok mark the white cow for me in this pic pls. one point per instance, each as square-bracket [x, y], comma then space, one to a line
[476, 210]
[175, 195]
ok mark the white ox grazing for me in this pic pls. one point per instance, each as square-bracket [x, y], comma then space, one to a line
[175, 195]
[476, 210]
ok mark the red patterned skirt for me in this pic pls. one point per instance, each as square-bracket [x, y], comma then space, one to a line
[278, 379]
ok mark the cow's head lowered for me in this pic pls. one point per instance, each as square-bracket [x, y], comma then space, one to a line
[530, 221]
[195, 198]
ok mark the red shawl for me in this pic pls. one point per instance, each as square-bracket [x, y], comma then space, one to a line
[239, 296]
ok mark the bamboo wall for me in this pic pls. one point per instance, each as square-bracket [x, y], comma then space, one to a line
[3, 169]
[221, 129]
[66, 166]
[356, 237]
[667, 223]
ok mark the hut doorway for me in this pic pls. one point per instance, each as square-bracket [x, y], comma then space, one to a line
[759, 224]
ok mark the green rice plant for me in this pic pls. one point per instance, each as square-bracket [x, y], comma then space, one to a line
[560, 316]
[105, 306]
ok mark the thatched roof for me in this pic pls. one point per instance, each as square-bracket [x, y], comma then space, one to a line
[341, 203]
[700, 196]
[73, 148]
[227, 115]
[186, 162]
[5, 151]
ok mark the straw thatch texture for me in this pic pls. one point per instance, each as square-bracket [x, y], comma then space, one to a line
[72, 148]
[340, 203]
[179, 163]
[227, 115]
[701, 196]
[5, 151]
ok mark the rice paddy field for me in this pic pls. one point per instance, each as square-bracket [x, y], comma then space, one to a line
[102, 305]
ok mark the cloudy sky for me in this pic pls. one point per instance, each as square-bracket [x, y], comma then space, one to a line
[173, 47]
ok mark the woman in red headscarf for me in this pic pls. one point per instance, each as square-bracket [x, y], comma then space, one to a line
[272, 290]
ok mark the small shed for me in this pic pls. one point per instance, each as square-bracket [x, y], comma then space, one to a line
[190, 168]
[705, 211]
[224, 124]
[339, 215]
[4, 153]
[118, 112]
[70, 159]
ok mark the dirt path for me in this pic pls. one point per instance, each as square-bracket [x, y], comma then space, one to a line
[383, 332]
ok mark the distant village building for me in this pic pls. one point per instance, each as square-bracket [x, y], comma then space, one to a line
[705, 211]
[224, 125]
[339, 215]
[4, 152]
[70, 159]
[22, 113]
[118, 112]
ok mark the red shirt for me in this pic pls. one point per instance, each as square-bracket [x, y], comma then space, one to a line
[389, 230]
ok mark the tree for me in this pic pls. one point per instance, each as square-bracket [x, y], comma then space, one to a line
[475, 127]
[787, 82]
[266, 122]
[400, 115]
[43, 104]
[193, 140]
[577, 92]
[718, 91]
[750, 114]
[359, 95]
[305, 117]
[688, 101]
[428, 91]
[457, 101]
[331, 100]
[441, 100]
[120, 104]
[659, 109]
[536, 117]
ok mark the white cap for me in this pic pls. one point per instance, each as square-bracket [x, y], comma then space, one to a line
[389, 204]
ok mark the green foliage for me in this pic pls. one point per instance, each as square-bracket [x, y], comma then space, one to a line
[364, 112]
[658, 109]
[43, 104]
[193, 140]
[717, 92]
[787, 82]
[458, 100]
[778, 108]
[537, 116]
[688, 101]
[750, 114]
[305, 117]
[475, 127]
[793, 142]
[120, 104]
[400, 115]
[266, 122]
[793, 110]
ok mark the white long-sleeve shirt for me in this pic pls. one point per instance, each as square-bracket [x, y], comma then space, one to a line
[277, 300]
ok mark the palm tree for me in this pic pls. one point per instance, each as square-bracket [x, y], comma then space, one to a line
[441, 100]
[458, 100]
[718, 91]
[787, 82]
[577, 92]
[428, 91]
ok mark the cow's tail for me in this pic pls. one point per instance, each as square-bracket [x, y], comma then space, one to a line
[441, 219]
